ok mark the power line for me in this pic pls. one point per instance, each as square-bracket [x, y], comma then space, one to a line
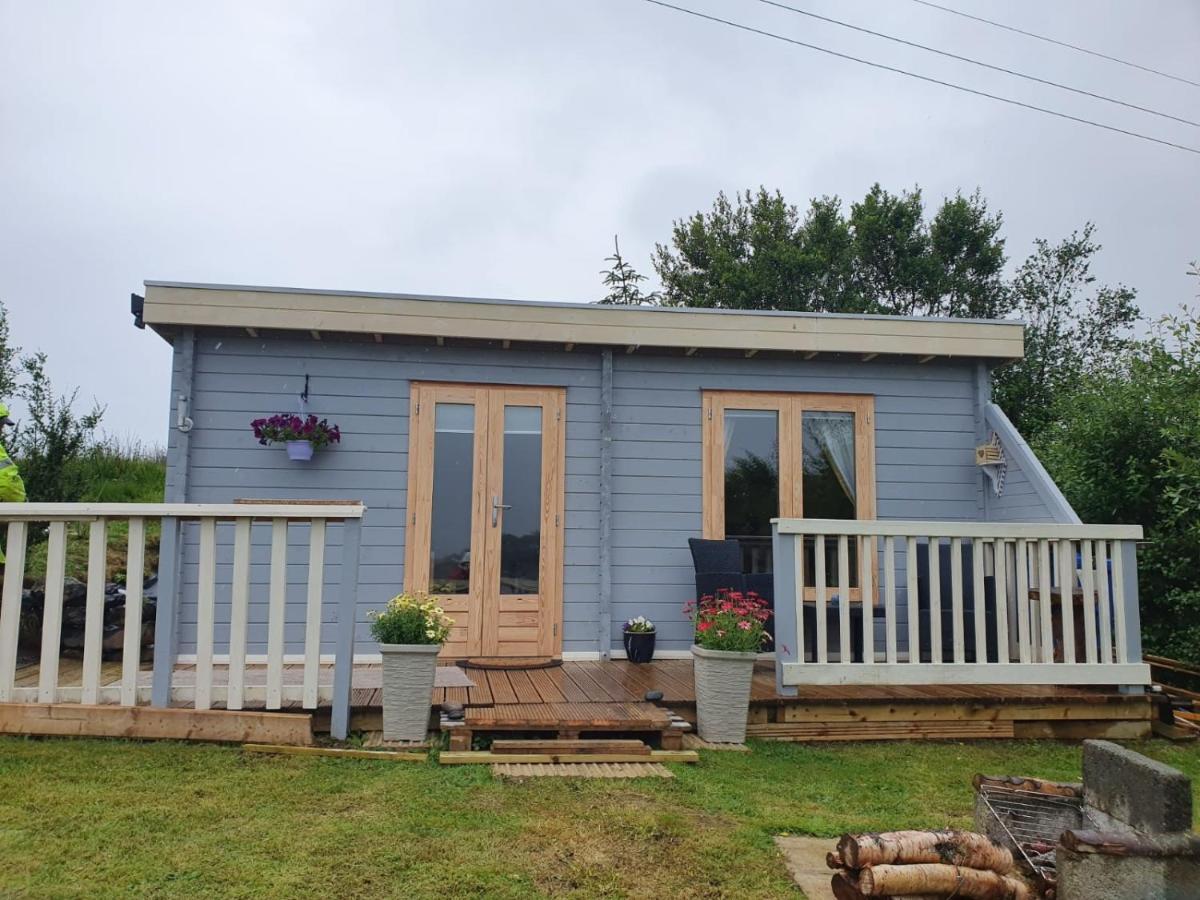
[976, 62]
[1050, 40]
[930, 79]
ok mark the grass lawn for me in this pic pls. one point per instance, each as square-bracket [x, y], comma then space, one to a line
[110, 818]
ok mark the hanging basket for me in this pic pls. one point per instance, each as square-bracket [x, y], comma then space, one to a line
[300, 451]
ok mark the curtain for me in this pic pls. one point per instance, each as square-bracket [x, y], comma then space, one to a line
[834, 433]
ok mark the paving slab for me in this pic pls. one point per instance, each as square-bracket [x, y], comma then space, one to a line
[805, 860]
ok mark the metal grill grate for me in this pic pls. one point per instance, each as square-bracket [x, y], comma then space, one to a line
[1033, 822]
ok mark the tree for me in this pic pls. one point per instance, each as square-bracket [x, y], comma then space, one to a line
[756, 252]
[51, 439]
[1125, 447]
[1073, 328]
[624, 282]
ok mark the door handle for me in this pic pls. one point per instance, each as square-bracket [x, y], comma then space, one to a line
[496, 507]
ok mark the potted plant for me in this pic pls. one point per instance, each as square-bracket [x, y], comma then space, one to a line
[410, 631]
[302, 435]
[730, 631]
[639, 640]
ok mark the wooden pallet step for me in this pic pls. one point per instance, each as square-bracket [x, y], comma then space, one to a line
[581, 770]
[576, 716]
[626, 747]
[477, 757]
[877, 731]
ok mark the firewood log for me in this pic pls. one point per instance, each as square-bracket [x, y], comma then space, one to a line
[834, 860]
[955, 848]
[940, 879]
[845, 887]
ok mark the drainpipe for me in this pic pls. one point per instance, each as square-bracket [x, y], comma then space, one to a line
[166, 633]
[604, 625]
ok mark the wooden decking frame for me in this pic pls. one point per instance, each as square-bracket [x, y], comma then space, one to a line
[819, 713]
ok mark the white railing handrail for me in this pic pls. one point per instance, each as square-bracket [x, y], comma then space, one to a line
[921, 528]
[85, 512]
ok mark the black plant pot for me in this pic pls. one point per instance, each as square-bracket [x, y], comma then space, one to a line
[639, 646]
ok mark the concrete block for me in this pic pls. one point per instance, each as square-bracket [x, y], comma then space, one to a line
[1094, 876]
[1139, 792]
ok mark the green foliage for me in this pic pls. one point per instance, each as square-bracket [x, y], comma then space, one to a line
[756, 252]
[10, 359]
[624, 282]
[1125, 447]
[411, 619]
[50, 443]
[1073, 329]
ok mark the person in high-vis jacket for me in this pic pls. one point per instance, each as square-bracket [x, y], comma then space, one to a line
[12, 488]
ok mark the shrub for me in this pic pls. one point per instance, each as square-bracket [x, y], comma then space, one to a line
[411, 619]
[730, 620]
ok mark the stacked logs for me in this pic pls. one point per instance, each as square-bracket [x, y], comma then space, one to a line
[924, 865]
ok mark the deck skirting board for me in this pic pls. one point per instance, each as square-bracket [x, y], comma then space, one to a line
[801, 674]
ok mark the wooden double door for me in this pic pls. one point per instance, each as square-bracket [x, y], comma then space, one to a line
[485, 515]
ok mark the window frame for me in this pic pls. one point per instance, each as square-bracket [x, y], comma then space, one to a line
[790, 408]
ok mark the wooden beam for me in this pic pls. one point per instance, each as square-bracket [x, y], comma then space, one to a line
[152, 723]
[750, 354]
[811, 354]
[344, 753]
[690, 351]
[924, 359]
[253, 332]
[867, 357]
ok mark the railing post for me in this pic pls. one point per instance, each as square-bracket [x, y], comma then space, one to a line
[166, 614]
[787, 602]
[1127, 571]
[343, 665]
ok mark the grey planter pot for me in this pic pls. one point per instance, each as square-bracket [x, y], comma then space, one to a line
[408, 671]
[722, 680]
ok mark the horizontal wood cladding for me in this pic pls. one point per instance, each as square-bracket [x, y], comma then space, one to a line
[309, 311]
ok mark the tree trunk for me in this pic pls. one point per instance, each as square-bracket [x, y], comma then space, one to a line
[939, 879]
[955, 848]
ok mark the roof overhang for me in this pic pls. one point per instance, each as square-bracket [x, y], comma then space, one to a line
[169, 305]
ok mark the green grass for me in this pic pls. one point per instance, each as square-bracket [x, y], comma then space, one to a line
[110, 818]
[109, 473]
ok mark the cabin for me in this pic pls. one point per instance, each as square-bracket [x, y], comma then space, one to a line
[550, 470]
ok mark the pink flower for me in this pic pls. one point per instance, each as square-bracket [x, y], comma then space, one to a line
[744, 625]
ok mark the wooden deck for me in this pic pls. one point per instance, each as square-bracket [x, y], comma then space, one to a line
[818, 713]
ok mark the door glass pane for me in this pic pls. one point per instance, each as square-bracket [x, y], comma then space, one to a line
[521, 531]
[453, 475]
[751, 482]
[829, 484]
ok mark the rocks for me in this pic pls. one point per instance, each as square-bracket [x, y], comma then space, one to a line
[74, 616]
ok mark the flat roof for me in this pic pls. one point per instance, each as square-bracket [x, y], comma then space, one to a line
[170, 304]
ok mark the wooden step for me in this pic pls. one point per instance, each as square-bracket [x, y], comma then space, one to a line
[576, 716]
[619, 746]
[474, 757]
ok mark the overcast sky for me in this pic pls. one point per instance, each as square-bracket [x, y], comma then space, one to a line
[464, 147]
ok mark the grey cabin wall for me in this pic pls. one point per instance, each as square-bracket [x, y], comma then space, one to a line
[364, 388]
[924, 456]
[926, 430]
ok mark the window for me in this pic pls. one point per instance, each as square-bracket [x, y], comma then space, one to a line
[789, 455]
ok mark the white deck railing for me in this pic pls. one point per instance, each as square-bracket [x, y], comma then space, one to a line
[170, 685]
[1002, 616]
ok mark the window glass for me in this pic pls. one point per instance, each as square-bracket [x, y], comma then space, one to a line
[829, 484]
[453, 476]
[751, 482]
[521, 525]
